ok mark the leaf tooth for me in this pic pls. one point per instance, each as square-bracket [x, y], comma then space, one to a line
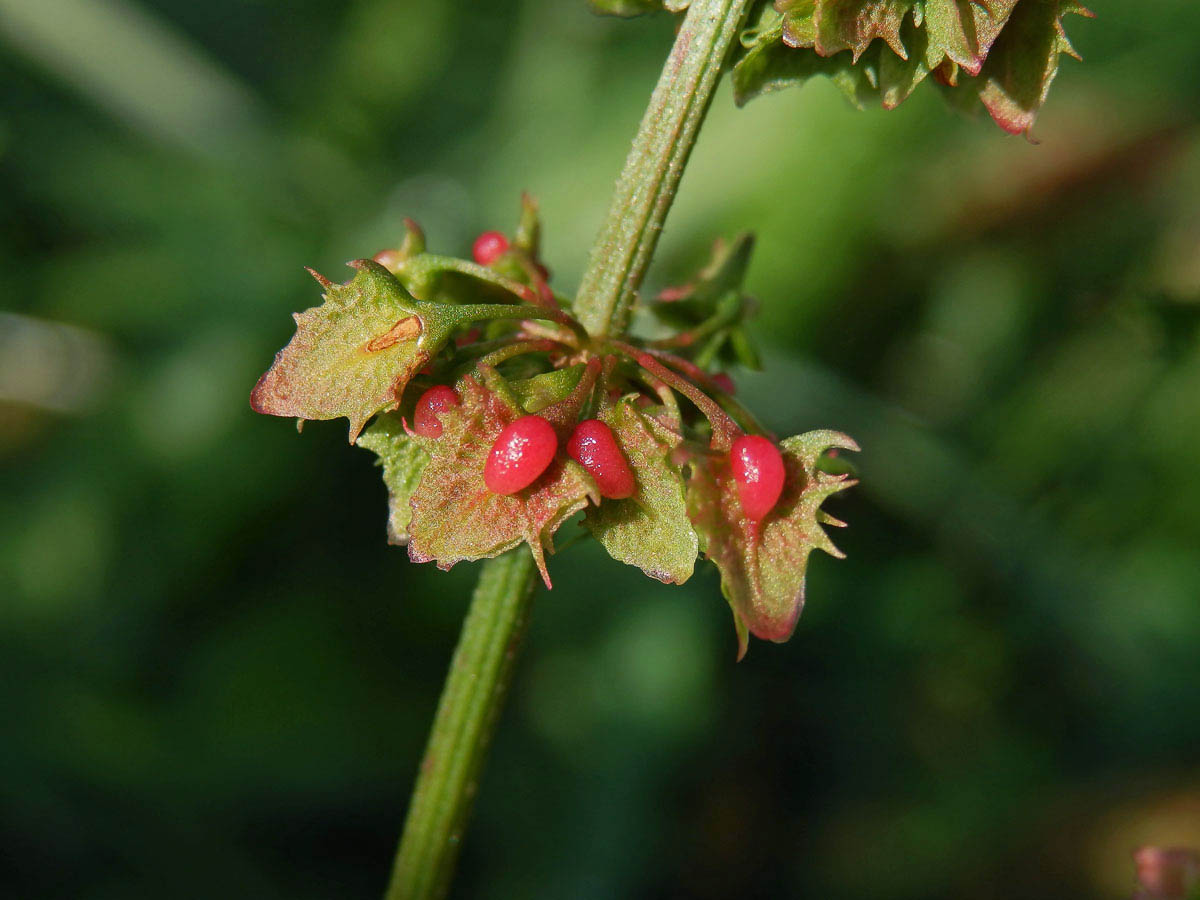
[826, 519]
[539, 557]
[324, 282]
[822, 541]
[743, 634]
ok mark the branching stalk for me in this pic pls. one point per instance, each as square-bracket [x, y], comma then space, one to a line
[483, 663]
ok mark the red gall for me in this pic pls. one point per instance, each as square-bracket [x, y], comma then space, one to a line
[522, 452]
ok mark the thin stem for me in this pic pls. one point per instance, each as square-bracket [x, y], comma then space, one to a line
[646, 188]
[481, 312]
[510, 351]
[483, 662]
[466, 717]
[724, 429]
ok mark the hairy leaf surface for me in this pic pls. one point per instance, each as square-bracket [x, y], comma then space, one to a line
[403, 457]
[877, 51]
[455, 517]
[762, 566]
[651, 529]
[959, 30]
[353, 355]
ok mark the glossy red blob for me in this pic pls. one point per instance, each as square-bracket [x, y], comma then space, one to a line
[489, 247]
[522, 452]
[427, 414]
[594, 447]
[759, 474]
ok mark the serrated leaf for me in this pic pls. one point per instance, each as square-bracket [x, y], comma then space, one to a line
[831, 26]
[353, 355]
[961, 30]
[771, 65]
[762, 566]
[456, 518]
[1015, 79]
[651, 529]
[403, 457]
[964, 30]
[878, 51]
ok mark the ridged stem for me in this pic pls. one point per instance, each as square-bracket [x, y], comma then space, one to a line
[644, 193]
[462, 729]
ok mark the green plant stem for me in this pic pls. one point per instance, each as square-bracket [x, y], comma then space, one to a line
[483, 662]
[462, 730]
[646, 188]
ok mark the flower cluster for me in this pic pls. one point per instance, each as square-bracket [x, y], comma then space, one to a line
[497, 419]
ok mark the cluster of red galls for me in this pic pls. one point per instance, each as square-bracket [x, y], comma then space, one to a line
[527, 446]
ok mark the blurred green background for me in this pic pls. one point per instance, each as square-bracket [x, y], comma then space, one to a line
[215, 676]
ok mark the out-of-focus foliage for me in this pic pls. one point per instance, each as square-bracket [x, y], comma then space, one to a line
[994, 695]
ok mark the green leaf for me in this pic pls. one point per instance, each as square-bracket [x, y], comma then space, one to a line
[353, 355]
[541, 391]
[878, 51]
[770, 65]
[403, 457]
[651, 529]
[959, 30]
[964, 31]
[830, 26]
[762, 566]
[455, 517]
[447, 279]
[1015, 79]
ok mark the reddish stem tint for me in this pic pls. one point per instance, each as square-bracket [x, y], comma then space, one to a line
[724, 428]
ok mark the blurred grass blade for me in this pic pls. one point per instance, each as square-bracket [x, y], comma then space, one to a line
[135, 65]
